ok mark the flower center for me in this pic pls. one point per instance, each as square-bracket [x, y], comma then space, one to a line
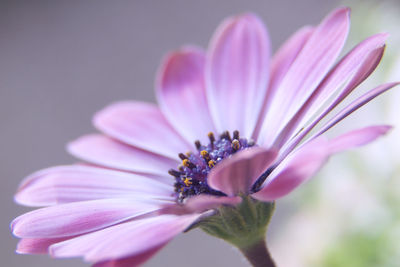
[191, 176]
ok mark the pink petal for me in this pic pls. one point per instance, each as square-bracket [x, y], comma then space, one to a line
[353, 106]
[79, 217]
[356, 104]
[309, 158]
[181, 94]
[360, 62]
[131, 261]
[306, 72]
[237, 73]
[141, 125]
[238, 173]
[353, 69]
[294, 170]
[101, 150]
[124, 240]
[73, 183]
[357, 138]
[287, 54]
[37, 245]
[200, 203]
[281, 63]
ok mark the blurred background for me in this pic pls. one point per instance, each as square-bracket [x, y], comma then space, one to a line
[61, 61]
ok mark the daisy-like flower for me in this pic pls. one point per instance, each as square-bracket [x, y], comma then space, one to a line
[231, 134]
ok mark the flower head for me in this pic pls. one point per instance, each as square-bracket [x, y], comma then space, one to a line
[230, 128]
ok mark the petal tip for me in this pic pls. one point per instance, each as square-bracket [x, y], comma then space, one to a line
[248, 19]
[73, 146]
[345, 10]
[387, 128]
[102, 114]
[176, 62]
[107, 112]
[14, 227]
[52, 251]
[247, 16]
[384, 35]
[18, 197]
[342, 13]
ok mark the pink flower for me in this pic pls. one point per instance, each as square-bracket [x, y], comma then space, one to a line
[241, 115]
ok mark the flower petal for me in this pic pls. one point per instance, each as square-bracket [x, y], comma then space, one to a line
[280, 64]
[287, 54]
[357, 138]
[74, 183]
[200, 203]
[102, 150]
[353, 106]
[361, 61]
[237, 73]
[79, 217]
[353, 69]
[306, 72]
[124, 240]
[294, 170]
[181, 94]
[37, 245]
[238, 173]
[141, 125]
[131, 261]
[309, 158]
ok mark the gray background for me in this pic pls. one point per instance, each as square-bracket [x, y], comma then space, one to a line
[61, 61]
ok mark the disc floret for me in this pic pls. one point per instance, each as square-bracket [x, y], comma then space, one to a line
[191, 176]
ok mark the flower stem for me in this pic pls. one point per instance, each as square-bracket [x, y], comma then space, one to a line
[258, 255]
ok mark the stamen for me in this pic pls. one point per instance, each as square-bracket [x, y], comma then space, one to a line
[226, 135]
[182, 156]
[177, 187]
[235, 145]
[197, 144]
[187, 163]
[187, 181]
[212, 139]
[174, 173]
[236, 134]
[211, 163]
[191, 176]
[205, 155]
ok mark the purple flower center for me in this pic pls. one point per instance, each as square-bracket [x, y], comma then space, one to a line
[191, 176]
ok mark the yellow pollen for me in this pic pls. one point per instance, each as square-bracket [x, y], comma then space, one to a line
[211, 163]
[235, 144]
[211, 137]
[187, 181]
[185, 162]
[204, 153]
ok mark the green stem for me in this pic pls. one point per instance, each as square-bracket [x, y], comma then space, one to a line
[258, 255]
